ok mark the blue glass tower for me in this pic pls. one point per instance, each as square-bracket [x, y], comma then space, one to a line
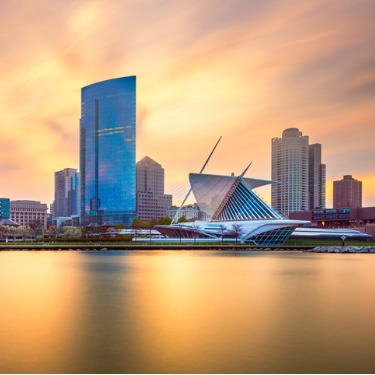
[107, 151]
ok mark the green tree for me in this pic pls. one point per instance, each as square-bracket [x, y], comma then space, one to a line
[52, 231]
[71, 232]
[35, 224]
[137, 223]
[150, 223]
[164, 220]
[182, 219]
[119, 226]
[3, 231]
[99, 230]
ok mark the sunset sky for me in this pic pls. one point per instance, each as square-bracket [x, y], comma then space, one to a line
[245, 70]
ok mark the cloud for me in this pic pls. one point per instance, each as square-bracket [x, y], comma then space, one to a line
[242, 69]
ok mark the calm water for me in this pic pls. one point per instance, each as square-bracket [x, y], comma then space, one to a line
[175, 312]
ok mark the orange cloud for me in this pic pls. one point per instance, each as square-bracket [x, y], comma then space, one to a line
[244, 70]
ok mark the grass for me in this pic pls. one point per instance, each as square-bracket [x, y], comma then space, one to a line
[328, 243]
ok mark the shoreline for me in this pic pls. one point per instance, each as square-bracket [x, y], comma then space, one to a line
[167, 247]
[191, 247]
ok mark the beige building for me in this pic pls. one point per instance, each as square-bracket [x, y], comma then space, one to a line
[25, 212]
[298, 169]
[290, 167]
[152, 203]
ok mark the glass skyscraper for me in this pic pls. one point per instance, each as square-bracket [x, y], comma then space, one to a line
[107, 151]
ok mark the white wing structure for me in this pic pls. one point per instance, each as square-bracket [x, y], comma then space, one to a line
[235, 211]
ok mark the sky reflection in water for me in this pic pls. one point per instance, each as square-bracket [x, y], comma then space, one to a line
[175, 311]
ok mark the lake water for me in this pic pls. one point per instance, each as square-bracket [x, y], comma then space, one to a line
[186, 312]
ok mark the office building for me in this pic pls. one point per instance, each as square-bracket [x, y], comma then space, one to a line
[152, 203]
[347, 193]
[290, 167]
[317, 178]
[27, 212]
[4, 208]
[67, 202]
[107, 151]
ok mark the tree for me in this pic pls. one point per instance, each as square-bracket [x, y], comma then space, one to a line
[24, 232]
[35, 224]
[3, 231]
[182, 219]
[164, 220]
[71, 232]
[12, 232]
[137, 223]
[99, 230]
[52, 231]
[222, 228]
[150, 223]
[237, 230]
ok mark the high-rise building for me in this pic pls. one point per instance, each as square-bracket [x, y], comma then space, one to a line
[347, 193]
[290, 167]
[67, 202]
[26, 212]
[107, 151]
[317, 177]
[152, 203]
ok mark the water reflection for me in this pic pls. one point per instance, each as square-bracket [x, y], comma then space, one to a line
[194, 312]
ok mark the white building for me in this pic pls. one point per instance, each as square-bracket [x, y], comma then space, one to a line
[290, 167]
[235, 212]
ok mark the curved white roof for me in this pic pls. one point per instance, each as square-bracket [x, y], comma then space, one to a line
[213, 191]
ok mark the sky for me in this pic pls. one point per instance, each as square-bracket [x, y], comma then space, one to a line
[241, 69]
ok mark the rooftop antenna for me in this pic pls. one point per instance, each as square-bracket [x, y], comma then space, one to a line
[187, 195]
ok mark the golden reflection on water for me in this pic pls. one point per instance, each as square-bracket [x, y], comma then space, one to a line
[37, 308]
[194, 312]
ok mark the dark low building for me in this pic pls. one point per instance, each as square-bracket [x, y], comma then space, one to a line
[359, 218]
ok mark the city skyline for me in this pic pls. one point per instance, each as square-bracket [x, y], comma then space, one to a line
[245, 70]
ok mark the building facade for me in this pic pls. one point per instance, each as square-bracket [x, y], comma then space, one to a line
[317, 177]
[67, 192]
[4, 208]
[290, 167]
[27, 212]
[190, 211]
[107, 151]
[347, 192]
[347, 217]
[152, 203]
[236, 212]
